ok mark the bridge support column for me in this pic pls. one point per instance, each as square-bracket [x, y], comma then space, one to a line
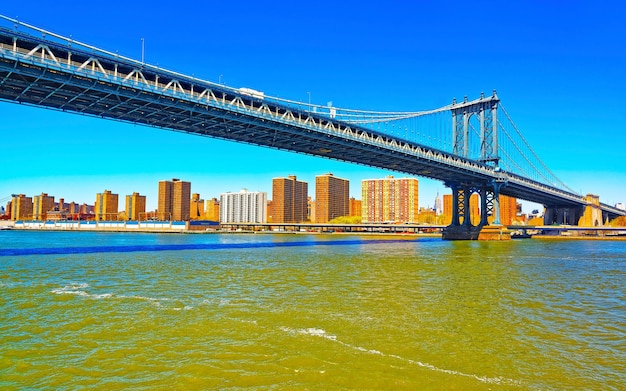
[458, 230]
[461, 210]
[484, 211]
[496, 203]
[467, 215]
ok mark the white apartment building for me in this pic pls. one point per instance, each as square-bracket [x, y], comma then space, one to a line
[243, 207]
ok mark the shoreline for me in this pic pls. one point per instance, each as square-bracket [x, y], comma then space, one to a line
[369, 233]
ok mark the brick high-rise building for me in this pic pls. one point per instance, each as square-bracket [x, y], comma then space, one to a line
[21, 207]
[42, 204]
[447, 209]
[289, 200]
[174, 200]
[332, 198]
[106, 206]
[355, 207]
[135, 206]
[390, 200]
[508, 210]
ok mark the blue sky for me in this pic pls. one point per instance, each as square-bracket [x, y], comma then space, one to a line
[559, 71]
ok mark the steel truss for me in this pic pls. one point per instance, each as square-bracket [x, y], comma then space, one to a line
[45, 73]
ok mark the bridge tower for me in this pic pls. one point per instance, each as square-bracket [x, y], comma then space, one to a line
[486, 109]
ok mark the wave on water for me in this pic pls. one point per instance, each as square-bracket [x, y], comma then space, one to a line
[177, 247]
[72, 289]
[320, 333]
[79, 290]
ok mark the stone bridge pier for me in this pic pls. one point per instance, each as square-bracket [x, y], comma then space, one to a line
[590, 215]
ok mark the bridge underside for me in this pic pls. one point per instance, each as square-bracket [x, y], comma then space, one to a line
[106, 87]
[41, 86]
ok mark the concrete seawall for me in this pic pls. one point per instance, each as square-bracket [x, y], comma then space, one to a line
[4, 224]
[113, 226]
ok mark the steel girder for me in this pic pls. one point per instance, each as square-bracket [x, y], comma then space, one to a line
[42, 73]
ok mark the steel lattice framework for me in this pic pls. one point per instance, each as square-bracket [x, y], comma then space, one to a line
[47, 70]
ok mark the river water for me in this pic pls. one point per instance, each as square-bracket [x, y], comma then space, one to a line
[321, 312]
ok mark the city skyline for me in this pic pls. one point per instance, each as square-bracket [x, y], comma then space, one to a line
[544, 60]
[122, 202]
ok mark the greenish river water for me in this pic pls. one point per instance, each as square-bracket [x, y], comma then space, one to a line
[85, 310]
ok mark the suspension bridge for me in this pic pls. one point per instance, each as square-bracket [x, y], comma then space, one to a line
[473, 146]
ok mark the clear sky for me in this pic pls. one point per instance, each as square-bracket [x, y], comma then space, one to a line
[559, 69]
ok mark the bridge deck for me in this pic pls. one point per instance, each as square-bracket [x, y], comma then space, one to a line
[42, 72]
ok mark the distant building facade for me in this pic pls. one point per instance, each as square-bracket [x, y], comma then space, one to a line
[332, 198]
[447, 209]
[311, 206]
[196, 207]
[438, 205]
[42, 204]
[427, 216]
[289, 200]
[355, 207]
[390, 200]
[509, 209]
[21, 207]
[212, 210]
[135, 206]
[243, 207]
[174, 200]
[106, 206]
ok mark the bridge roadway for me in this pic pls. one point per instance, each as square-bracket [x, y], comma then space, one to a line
[58, 73]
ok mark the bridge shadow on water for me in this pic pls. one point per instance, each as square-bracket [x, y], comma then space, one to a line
[195, 246]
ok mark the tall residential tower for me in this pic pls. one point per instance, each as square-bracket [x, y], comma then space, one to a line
[289, 200]
[106, 206]
[390, 200]
[135, 206]
[243, 207]
[332, 198]
[174, 200]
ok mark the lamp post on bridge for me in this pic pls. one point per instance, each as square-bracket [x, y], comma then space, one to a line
[309, 94]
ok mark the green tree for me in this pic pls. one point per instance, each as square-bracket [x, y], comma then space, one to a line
[346, 220]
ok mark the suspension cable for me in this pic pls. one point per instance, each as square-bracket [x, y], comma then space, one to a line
[558, 181]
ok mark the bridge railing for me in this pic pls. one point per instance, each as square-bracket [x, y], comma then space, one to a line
[107, 67]
[529, 183]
